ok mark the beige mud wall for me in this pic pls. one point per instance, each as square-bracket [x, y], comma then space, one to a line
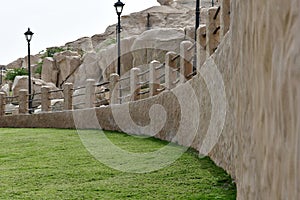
[265, 97]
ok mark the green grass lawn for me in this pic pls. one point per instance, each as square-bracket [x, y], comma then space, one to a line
[53, 164]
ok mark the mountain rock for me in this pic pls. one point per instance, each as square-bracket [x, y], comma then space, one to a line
[50, 70]
[85, 44]
[146, 36]
[5, 89]
[67, 64]
[154, 44]
[15, 64]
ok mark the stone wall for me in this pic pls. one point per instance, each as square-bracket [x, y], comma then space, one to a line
[264, 65]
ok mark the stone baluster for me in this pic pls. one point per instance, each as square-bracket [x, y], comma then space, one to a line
[170, 70]
[90, 93]
[212, 33]
[134, 83]
[68, 98]
[46, 102]
[23, 101]
[186, 55]
[201, 46]
[2, 104]
[154, 83]
[224, 18]
[114, 88]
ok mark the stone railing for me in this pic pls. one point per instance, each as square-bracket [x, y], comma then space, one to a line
[89, 92]
[176, 69]
[210, 35]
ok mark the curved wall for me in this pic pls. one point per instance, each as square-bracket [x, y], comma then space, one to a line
[264, 62]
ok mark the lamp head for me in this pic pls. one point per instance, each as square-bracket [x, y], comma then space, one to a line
[28, 34]
[119, 7]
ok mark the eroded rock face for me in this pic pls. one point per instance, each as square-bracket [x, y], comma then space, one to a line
[20, 82]
[84, 44]
[153, 45]
[108, 57]
[34, 59]
[15, 64]
[5, 89]
[170, 15]
[64, 67]
[165, 2]
[67, 64]
[157, 17]
[59, 56]
[50, 71]
[99, 38]
[89, 69]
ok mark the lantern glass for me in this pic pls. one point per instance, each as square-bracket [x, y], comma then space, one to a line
[28, 34]
[119, 7]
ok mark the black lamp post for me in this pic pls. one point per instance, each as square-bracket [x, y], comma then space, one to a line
[119, 9]
[28, 34]
[197, 24]
[148, 22]
[1, 75]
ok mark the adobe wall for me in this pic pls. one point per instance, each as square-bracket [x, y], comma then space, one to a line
[265, 98]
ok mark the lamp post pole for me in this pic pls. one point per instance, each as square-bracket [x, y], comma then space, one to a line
[28, 34]
[119, 9]
[29, 81]
[197, 24]
[119, 44]
[148, 22]
[1, 75]
[197, 17]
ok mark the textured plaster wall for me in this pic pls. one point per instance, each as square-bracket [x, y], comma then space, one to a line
[259, 61]
[265, 68]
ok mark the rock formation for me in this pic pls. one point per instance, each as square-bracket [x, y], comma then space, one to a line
[100, 50]
[67, 63]
[50, 70]
[21, 82]
[5, 89]
[165, 2]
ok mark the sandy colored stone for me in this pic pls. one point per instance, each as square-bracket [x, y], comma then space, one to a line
[15, 64]
[49, 70]
[34, 60]
[154, 44]
[58, 57]
[225, 17]
[108, 57]
[84, 44]
[201, 45]
[212, 31]
[165, 2]
[5, 89]
[67, 66]
[89, 69]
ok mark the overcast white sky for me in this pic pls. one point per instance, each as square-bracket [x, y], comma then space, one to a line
[55, 22]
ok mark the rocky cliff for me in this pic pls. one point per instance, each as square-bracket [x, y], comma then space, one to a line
[145, 36]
